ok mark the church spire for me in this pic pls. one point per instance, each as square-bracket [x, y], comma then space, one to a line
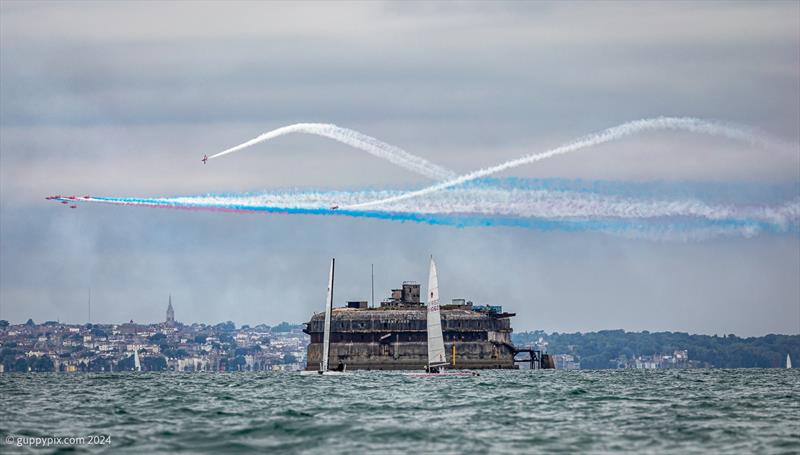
[170, 312]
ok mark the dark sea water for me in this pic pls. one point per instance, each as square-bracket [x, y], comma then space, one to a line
[666, 411]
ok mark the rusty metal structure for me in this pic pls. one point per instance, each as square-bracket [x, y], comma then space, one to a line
[536, 359]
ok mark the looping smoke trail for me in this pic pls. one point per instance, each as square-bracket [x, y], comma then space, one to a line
[355, 139]
[690, 124]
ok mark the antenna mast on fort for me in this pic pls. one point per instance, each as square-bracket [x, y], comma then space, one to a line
[372, 266]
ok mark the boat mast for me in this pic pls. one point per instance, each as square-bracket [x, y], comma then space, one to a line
[326, 338]
[436, 357]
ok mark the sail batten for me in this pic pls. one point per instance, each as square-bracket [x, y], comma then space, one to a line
[436, 356]
[326, 339]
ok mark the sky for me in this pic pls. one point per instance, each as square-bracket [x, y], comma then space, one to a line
[123, 98]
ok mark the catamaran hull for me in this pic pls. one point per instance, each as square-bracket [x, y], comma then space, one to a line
[448, 374]
[325, 373]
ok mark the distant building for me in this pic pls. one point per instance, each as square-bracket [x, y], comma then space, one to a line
[170, 312]
[566, 362]
[678, 359]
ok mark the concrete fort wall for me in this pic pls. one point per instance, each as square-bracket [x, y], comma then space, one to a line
[410, 356]
[397, 339]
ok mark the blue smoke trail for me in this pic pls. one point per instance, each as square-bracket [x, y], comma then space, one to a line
[546, 205]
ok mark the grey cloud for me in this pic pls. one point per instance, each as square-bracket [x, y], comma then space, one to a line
[460, 67]
[124, 98]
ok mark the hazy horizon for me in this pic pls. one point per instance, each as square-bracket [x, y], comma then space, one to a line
[124, 98]
[240, 324]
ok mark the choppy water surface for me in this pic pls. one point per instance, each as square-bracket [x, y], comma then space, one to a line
[678, 411]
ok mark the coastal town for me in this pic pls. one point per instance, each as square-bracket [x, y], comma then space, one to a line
[164, 346]
[52, 346]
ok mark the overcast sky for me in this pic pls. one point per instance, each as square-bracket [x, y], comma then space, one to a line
[123, 98]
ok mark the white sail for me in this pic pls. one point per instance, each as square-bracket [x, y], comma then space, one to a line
[326, 337]
[137, 365]
[788, 361]
[436, 356]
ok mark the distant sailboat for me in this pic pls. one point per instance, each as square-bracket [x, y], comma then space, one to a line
[137, 364]
[436, 357]
[788, 361]
[326, 338]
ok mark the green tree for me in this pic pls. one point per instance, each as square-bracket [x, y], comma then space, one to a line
[601, 349]
[42, 364]
[227, 326]
[21, 364]
[289, 358]
[284, 327]
[154, 363]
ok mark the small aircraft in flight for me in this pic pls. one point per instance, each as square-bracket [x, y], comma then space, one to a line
[64, 202]
[73, 206]
[205, 158]
[334, 207]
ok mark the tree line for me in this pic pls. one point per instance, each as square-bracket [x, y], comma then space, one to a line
[604, 348]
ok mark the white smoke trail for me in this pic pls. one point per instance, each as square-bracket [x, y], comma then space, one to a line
[695, 234]
[654, 218]
[355, 139]
[690, 124]
[495, 202]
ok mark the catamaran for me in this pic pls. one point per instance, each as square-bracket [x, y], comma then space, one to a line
[326, 338]
[436, 357]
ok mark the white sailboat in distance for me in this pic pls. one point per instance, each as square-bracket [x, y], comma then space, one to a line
[326, 337]
[788, 361]
[436, 356]
[137, 364]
